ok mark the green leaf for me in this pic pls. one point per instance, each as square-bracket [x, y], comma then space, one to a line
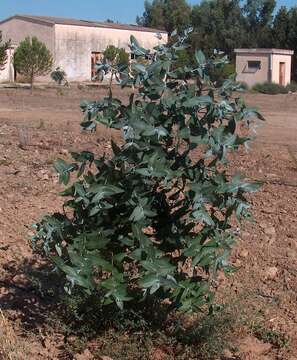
[137, 214]
[202, 215]
[200, 57]
[103, 191]
[198, 101]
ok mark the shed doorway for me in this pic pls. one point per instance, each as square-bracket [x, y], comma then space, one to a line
[282, 73]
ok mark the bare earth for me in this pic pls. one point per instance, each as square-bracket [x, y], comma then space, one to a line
[34, 130]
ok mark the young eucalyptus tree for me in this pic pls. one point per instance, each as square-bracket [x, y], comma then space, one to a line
[153, 219]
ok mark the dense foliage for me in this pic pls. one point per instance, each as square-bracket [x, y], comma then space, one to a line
[116, 56]
[32, 58]
[4, 46]
[218, 25]
[227, 24]
[169, 15]
[153, 219]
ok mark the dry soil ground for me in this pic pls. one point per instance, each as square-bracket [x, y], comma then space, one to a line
[34, 130]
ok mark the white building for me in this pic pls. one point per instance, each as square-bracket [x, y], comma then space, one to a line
[76, 45]
[263, 65]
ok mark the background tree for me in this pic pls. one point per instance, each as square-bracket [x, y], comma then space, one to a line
[225, 25]
[218, 24]
[169, 15]
[259, 16]
[4, 46]
[32, 58]
[116, 56]
[281, 27]
[153, 15]
[292, 37]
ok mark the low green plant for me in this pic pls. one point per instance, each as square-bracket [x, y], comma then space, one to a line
[276, 338]
[292, 87]
[270, 88]
[243, 85]
[59, 76]
[153, 220]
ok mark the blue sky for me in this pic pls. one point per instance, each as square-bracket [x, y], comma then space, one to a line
[124, 11]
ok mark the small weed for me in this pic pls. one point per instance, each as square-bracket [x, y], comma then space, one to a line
[211, 333]
[60, 92]
[5, 162]
[41, 124]
[51, 159]
[23, 137]
[276, 338]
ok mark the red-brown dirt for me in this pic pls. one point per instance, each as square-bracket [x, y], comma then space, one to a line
[34, 130]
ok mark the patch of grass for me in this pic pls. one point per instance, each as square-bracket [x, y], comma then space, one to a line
[211, 334]
[5, 162]
[143, 330]
[270, 88]
[292, 87]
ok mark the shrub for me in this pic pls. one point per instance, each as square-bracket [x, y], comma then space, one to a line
[32, 58]
[152, 220]
[116, 56]
[59, 76]
[270, 88]
[292, 87]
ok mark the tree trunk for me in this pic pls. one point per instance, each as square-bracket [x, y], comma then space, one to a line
[31, 82]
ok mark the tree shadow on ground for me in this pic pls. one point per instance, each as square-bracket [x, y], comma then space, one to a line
[35, 293]
[36, 298]
[28, 297]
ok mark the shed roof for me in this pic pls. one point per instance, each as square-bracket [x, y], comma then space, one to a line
[51, 21]
[264, 51]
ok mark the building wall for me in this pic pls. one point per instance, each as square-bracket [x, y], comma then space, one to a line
[252, 78]
[75, 44]
[276, 60]
[17, 30]
[7, 73]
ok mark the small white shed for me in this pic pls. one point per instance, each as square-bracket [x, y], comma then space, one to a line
[263, 65]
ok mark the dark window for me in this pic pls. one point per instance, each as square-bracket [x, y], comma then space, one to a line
[254, 65]
[132, 56]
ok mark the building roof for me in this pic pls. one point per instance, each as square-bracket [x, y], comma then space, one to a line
[264, 51]
[51, 21]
